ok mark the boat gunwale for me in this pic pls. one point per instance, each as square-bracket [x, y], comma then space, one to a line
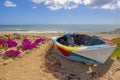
[81, 48]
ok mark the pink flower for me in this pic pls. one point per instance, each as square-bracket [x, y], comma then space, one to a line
[13, 53]
[2, 42]
[39, 40]
[9, 43]
[26, 44]
[33, 45]
[26, 40]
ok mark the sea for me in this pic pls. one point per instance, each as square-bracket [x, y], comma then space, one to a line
[57, 28]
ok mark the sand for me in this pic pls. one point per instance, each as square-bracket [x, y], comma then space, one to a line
[43, 63]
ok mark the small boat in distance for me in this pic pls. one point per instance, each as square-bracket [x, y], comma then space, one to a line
[83, 48]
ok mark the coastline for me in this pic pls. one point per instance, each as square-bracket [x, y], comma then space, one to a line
[109, 35]
[42, 63]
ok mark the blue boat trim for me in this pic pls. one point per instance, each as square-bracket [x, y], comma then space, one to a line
[97, 46]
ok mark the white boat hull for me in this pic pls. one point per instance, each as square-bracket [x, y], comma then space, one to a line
[97, 54]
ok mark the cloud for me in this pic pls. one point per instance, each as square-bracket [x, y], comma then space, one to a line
[103, 4]
[59, 4]
[71, 4]
[37, 1]
[96, 2]
[9, 4]
[34, 7]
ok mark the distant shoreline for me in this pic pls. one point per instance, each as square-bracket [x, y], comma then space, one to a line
[58, 28]
[113, 31]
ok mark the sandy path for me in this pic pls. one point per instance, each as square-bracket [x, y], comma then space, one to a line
[28, 67]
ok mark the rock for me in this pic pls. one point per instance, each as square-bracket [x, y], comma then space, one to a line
[89, 70]
[116, 31]
[6, 62]
[21, 55]
[3, 78]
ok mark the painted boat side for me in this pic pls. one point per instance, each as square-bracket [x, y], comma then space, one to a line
[76, 58]
[98, 54]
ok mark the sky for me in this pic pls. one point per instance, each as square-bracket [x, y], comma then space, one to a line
[37, 12]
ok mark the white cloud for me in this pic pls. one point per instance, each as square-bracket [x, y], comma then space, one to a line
[103, 4]
[9, 4]
[58, 4]
[34, 7]
[37, 1]
[96, 2]
[70, 4]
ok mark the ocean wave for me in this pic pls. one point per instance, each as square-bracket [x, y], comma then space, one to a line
[58, 28]
[32, 31]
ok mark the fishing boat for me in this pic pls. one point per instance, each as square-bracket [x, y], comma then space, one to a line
[83, 48]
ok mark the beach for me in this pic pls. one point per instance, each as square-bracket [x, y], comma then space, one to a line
[60, 40]
[43, 63]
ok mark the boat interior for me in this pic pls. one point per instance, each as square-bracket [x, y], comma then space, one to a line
[79, 40]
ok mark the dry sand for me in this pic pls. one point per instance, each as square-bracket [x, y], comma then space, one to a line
[43, 63]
